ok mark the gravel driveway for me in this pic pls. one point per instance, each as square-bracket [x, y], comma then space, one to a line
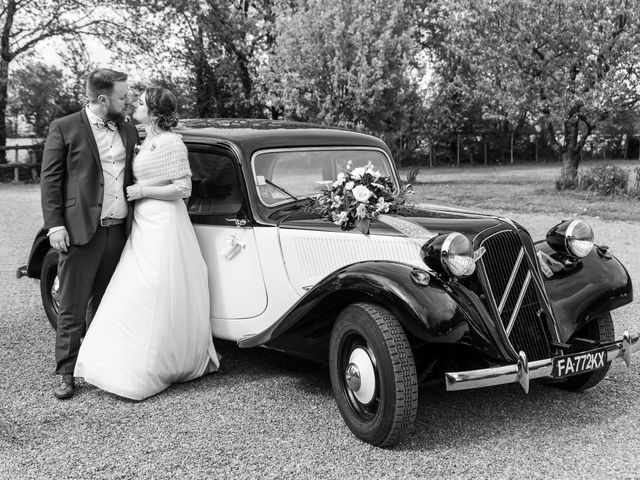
[266, 415]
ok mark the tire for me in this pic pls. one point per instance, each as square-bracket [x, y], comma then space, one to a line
[49, 286]
[373, 374]
[599, 329]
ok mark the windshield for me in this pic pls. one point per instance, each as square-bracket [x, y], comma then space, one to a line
[286, 175]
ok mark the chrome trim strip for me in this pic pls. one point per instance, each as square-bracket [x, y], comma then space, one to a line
[523, 371]
[512, 278]
[516, 309]
[447, 243]
[542, 292]
[513, 373]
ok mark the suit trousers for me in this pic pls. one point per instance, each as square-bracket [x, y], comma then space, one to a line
[84, 273]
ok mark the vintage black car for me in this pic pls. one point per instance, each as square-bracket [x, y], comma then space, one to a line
[463, 297]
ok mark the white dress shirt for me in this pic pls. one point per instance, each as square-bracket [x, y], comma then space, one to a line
[112, 158]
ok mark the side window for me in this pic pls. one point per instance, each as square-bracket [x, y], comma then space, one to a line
[215, 190]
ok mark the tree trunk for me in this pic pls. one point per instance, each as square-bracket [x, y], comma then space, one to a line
[626, 146]
[5, 58]
[484, 138]
[569, 172]
[512, 142]
[4, 77]
[570, 156]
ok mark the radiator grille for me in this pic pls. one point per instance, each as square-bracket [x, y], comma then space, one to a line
[511, 293]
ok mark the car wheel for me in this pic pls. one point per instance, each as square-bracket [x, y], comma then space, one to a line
[373, 374]
[599, 329]
[49, 286]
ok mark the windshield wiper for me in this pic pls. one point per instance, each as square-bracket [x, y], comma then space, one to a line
[278, 187]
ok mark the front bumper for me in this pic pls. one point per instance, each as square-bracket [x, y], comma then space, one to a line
[524, 371]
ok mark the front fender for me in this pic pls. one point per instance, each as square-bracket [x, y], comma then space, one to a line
[598, 283]
[427, 313]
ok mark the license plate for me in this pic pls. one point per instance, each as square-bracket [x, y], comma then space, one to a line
[579, 363]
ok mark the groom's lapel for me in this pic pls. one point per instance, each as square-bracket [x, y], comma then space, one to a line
[125, 140]
[128, 140]
[90, 138]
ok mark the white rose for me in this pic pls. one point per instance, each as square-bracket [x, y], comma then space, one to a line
[361, 211]
[361, 193]
[349, 185]
[382, 207]
[357, 173]
[339, 181]
[340, 218]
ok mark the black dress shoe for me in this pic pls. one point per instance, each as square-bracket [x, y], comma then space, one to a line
[63, 388]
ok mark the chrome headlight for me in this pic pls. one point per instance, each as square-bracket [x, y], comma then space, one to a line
[450, 253]
[571, 237]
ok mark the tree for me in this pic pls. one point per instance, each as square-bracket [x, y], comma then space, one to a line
[564, 66]
[348, 63]
[39, 94]
[77, 66]
[220, 43]
[25, 24]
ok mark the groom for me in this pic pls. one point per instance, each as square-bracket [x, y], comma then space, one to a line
[86, 167]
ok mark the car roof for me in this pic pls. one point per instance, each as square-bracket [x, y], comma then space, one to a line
[253, 134]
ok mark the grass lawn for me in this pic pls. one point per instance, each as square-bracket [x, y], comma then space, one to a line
[528, 188]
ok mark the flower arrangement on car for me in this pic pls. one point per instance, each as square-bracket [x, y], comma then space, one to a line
[358, 196]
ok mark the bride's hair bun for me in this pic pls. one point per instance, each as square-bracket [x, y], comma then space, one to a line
[163, 105]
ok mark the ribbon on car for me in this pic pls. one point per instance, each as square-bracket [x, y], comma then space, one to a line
[417, 233]
[234, 246]
[548, 265]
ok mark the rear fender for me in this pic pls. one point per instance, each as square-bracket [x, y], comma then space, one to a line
[598, 283]
[39, 249]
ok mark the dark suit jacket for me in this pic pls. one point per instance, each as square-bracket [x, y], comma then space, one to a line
[72, 181]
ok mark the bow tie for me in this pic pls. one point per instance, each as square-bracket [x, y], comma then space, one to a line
[109, 125]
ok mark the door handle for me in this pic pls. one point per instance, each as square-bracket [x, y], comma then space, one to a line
[239, 222]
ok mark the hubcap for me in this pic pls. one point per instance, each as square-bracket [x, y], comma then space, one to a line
[55, 291]
[353, 377]
[360, 375]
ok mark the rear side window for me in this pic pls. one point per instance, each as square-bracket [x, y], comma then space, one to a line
[215, 187]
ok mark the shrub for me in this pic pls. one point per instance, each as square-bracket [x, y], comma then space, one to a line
[604, 179]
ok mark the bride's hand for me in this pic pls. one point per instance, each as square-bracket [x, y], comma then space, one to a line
[134, 192]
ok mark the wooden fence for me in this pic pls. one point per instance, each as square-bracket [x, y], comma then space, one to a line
[492, 147]
[31, 168]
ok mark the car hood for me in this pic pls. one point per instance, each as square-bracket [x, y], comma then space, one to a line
[432, 217]
[313, 247]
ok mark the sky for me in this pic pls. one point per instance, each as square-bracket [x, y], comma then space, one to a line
[98, 54]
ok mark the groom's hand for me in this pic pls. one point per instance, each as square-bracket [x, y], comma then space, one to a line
[134, 192]
[60, 240]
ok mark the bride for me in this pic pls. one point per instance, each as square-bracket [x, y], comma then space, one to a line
[152, 328]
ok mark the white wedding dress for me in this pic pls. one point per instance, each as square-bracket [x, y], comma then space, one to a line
[152, 328]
